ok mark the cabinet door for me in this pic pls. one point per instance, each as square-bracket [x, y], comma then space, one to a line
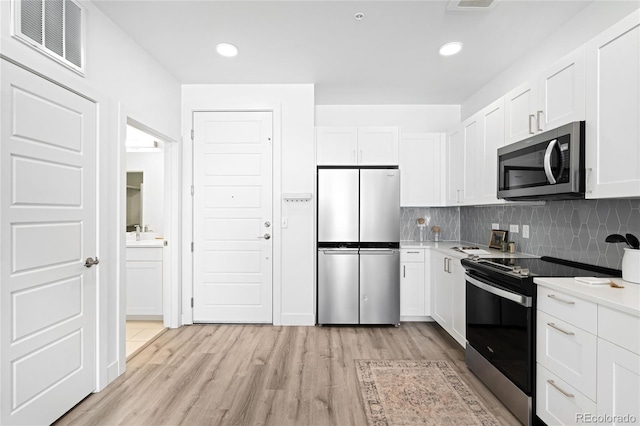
[412, 289]
[493, 138]
[473, 160]
[336, 146]
[618, 381]
[144, 288]
[441, 291]
[378, 146]
[562, 92]
[421, 169]
[454, 172]
[613, 108]
[457, 283]
[519, 118]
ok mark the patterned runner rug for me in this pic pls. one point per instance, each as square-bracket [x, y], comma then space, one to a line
[397, 392]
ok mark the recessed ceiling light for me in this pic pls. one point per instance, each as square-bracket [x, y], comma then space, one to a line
[359, 16]
[226, 49]
[450, 48]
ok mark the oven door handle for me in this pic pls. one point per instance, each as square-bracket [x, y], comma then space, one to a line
[517, 298]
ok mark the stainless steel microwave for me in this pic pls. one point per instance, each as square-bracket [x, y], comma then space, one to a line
[546, 166]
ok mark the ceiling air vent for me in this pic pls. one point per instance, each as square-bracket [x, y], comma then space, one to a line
[54, 27]
[464, 5]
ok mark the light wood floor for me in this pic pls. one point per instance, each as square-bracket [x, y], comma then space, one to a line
[263, 375]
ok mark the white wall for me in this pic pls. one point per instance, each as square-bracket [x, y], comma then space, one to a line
[293, 171]
[587, 24]
[152, 166]
[120, 76]
[410, 118]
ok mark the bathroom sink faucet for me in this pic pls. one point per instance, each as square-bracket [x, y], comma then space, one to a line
[137, 232]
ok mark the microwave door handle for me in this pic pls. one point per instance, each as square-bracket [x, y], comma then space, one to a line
[547, 162]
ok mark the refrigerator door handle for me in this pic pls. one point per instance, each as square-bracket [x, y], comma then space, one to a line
[377, 251]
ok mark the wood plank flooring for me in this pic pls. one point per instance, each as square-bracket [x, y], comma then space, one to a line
[263, 375]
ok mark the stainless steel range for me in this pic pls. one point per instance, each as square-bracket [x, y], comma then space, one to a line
[500, 323]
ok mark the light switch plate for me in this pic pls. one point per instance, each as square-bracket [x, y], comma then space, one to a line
[525, 231]
[495, 226]
[513, 229]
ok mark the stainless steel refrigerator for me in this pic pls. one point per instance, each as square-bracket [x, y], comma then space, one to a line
[358, 245]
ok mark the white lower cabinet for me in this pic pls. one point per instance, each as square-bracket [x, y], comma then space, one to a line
[414, 285]
[448, 295]
[144, 281]
[587, 361]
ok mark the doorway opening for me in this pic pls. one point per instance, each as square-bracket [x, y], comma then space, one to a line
[151, 261]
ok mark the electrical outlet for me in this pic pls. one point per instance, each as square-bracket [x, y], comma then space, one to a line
[495, 226]
[525, 231]
[513, 229]
[285, 222]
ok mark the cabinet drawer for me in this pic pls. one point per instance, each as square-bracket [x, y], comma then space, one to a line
[411, 255]
[576, 311]
[144, 254]
[567, 351]
[557, 402]
[619, 328]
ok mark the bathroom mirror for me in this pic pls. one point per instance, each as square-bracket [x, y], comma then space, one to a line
[135, 185]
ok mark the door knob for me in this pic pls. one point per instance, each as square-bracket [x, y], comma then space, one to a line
[90, 262]
[266, 236]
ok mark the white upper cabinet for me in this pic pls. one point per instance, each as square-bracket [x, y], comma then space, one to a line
[336, 146]
[346, 146]
[483, 135]
[455, 164]
[613, 107]
[378, 146]
[554, 98]
[561, 96]
[422, 169]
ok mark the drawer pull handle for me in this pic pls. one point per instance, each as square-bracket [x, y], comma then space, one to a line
[554, 297]
[413, 252]
[562, 391]
[568, 333]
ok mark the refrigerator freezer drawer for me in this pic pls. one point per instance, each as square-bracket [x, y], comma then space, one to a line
[338, 301]
[379, 286]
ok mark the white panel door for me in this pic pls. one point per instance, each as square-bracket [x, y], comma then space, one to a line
[455, 166]
[232, 207]
[47, 230]
[473, 160]
[378, 145]
[421, 169]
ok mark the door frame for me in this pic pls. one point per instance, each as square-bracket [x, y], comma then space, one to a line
[171, 262]
[187, 203]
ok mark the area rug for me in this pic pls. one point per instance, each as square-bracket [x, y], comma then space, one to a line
[397, 392]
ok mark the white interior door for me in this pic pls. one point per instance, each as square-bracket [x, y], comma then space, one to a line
[47, 230]
[232, 205]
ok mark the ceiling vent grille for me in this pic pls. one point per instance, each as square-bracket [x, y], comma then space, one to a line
[54, 27]
[464, 5]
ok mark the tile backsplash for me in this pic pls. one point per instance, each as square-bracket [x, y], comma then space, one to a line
[447, 218]
[573, 230]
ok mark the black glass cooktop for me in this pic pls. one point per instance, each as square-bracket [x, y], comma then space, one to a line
[509, 272]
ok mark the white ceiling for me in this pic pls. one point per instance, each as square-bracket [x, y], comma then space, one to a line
[389, 57]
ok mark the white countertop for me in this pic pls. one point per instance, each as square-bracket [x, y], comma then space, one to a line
[447, 247]
[145, 243]
[625, 299]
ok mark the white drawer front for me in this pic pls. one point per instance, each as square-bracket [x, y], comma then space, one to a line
[558, 403]
[144, 254]
[411, 255]
[619, 328]
[571, 309]
[567, 351]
